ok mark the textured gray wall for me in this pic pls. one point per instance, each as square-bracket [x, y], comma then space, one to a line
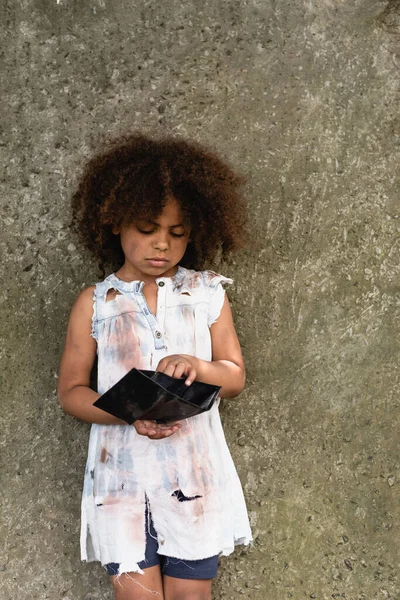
[302, 96]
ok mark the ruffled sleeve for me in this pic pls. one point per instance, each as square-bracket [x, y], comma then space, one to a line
[94, 333]
[215, 286]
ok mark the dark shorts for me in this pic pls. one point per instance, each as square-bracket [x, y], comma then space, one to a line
[173, 567]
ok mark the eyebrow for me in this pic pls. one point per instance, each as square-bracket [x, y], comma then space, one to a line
[155, 223]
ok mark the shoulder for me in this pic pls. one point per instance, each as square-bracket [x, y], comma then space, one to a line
[197, 280]
[93, 292]
[84, 301]
[213, 279]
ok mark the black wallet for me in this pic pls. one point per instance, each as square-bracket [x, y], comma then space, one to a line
[152, 395]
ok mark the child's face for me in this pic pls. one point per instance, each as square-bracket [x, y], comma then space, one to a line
[154, 248]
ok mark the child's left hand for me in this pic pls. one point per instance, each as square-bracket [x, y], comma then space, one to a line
[178, 365]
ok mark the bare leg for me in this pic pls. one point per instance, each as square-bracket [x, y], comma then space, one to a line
[134, 586]
[187, 589]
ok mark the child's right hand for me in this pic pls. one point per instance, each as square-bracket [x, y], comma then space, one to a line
[156, 431]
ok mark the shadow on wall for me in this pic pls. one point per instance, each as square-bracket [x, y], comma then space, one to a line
[390, 17]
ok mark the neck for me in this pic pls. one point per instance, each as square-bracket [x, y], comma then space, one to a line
[126, 274]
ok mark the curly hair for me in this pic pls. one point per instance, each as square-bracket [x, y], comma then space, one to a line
[134, 178]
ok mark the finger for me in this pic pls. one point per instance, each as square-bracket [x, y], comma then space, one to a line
[175, 426]
[169, 369]
[191, 376]
[148, 423]
[165, 426]
[144, 427]
[162, 364]
[156, 436]
[163, 434]
[159, 430]
[167, 429]
[180, 370]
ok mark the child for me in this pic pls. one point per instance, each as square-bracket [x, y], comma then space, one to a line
[160, 502]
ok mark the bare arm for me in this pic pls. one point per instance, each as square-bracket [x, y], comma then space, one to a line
[226, 368]
[74, 393]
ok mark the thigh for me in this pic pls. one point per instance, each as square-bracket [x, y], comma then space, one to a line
[176, 568]
[187, 589]
[188, 579]
[135, 586]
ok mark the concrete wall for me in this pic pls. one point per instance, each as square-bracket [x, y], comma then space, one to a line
[303, 97]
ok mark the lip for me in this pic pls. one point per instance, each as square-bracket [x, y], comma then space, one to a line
[157, 261]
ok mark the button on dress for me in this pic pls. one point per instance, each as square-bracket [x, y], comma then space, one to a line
[188, 479]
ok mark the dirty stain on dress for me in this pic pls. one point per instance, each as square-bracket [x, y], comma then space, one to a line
[188, 479]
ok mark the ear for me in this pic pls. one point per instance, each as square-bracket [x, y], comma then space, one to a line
[116, 229]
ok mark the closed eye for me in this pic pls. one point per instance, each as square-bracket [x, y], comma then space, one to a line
[150, 231]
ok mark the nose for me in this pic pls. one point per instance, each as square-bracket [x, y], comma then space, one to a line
[161, 241]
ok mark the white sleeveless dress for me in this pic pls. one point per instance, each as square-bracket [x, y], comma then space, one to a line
[125, 470]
